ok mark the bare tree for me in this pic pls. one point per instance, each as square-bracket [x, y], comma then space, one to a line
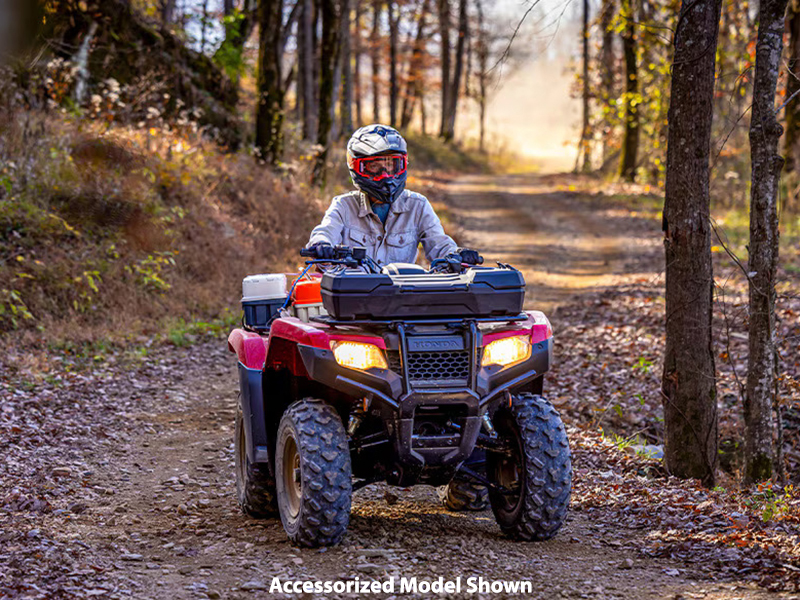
[455, 86]
[167, 12]
[482, 51]
[689, 380]
[307, 70]
[630, 142]
[357, 51]
[415, 75]
[607, 60]
[376, 60]
[444, 59]
[792, 142]
[765, 132]
[394, 17]
[329, 51]
[346, 109]
[269, 106]
[585, 150]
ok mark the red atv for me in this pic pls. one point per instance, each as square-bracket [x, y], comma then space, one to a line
[403, 375]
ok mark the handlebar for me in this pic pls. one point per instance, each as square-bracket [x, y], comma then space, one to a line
[357, 257]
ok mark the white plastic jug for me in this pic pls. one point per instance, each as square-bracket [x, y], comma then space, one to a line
[268, 286]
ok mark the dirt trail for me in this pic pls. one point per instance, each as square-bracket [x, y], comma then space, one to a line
[172, 527]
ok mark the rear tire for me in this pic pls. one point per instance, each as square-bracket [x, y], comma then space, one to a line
[255, 487]
[539, 470]
[312, 468]
[463, 494]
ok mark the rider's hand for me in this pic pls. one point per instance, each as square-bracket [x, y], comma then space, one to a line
[322, 250]
[470, 257]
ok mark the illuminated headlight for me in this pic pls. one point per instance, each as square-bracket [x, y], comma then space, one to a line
[507, 351]
[355, 355]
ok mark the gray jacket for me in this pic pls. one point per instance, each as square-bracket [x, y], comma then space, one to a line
[350, 221]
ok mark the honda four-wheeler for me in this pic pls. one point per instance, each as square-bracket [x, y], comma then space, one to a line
[398, 374]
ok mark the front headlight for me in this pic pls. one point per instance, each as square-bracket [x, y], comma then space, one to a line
[357, 355]
[507, 351]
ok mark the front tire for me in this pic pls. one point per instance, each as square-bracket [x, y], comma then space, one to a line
[255, 487]
[538, 469]
[312, 469]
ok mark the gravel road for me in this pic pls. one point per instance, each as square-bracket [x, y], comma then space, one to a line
[149, 506]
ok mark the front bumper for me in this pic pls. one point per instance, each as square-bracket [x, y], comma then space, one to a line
[398, 401]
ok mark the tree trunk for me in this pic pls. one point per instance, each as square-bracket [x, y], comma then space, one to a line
[630, 142]
[227, 8]
[393, 89]
[357, 51]
[585, 147]
[338, 82]
[765, 133]
[330, 55]
[269, 107]
[444, 33]
[607, 62]
[307, 71]
[689, 392]
[167, 13]
[455, 87]
[483, 64]
[346, 108]
[792, 143]
[415, 74]
[376, 60]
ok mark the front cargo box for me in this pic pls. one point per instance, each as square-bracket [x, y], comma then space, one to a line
[480, 292]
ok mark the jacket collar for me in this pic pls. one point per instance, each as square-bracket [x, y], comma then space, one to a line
[398, 206]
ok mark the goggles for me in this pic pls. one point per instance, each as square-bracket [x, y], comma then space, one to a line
[380, 167]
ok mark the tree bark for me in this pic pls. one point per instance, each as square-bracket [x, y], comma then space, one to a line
[607, 61]
[393, 88]
[269, 107]
[307, 71]
[455, 87]
[765, 133]
[482, 52]
[227, 7]
[415, 74]
[607, 70]
[330, 56]
[357, 51]
[346, 108]
[444, 33]
[376, 60]
[792, 142]
[167, 13]
[586, 142]
[630, 142]
[689, 392]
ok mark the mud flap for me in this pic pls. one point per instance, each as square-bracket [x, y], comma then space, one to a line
[252, 403]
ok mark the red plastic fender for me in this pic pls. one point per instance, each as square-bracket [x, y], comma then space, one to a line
[249, 347]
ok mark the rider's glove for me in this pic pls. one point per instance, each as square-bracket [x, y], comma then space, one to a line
[470, 257]
[322, 250]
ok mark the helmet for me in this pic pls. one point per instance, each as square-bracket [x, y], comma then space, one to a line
[377, 157]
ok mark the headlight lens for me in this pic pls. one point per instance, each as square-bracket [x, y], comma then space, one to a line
[356, 355]
[507, 351]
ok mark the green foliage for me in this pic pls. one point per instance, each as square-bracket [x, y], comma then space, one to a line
[184, 333]
[12, 308]
[230, 55]
[771, 503]
[149, 272]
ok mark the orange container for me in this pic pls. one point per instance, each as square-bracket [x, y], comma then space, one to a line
[308, 291]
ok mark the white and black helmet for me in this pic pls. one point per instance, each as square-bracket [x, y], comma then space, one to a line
[377, 157]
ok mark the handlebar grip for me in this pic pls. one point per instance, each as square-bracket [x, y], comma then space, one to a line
[480, 260]
[308, 253]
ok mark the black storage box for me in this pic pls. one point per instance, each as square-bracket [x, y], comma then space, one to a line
[480, 292]
[257, 313]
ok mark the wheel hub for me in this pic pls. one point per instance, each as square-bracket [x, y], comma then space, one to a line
[292, 477]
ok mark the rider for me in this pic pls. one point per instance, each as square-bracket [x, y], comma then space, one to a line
[381, 215]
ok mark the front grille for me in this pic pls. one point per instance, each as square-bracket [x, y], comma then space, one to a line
[436, 366]
[426, 367]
